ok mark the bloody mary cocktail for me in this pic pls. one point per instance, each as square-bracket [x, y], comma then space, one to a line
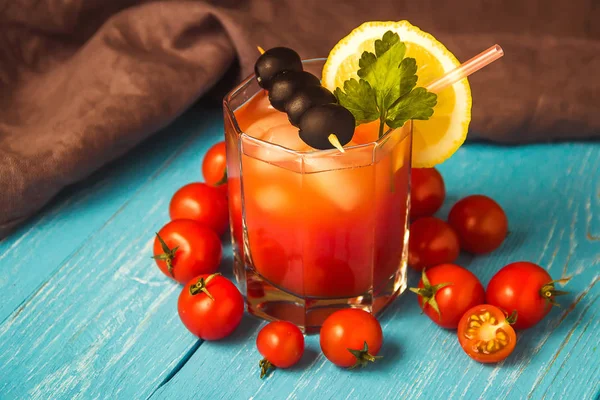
[319, 155]
[314, 230]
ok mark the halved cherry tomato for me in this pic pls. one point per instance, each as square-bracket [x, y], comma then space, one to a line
[446, 291]
[427, 192]
[479, 222]
[431, 242]
[351, 338]
[526, 288]
[184, 248]
[281, 343]
[202, 203]
[485, 334]
[210, 306]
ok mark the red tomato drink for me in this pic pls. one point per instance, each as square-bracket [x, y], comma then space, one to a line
[314, 228]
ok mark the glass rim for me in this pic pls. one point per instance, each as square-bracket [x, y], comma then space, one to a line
[248, 80]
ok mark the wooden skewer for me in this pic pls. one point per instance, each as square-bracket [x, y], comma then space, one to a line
[335, 142]
[260, 50]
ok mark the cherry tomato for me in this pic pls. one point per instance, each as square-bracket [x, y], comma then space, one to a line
[485, 334]
[427, 192]
[214, 167]
[202, 203]
[184, 248]
[210, 306]
[526, 288]
[224, 188]
[281, 344]
[480, 223]
[446, 292]
[431, 242]
[351, 338]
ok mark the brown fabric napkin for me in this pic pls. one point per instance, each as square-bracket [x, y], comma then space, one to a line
[82, 82]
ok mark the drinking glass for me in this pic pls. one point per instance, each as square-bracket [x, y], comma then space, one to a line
[316, 231]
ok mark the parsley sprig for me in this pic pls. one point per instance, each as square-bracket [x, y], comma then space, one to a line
[386, 88]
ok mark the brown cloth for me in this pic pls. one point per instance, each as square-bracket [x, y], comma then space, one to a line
[82, 82]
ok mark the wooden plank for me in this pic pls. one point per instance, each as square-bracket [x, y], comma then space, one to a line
[35, 251]
[552, 197]
[105, 324]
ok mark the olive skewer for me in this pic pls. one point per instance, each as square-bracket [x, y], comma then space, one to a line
[323, 123]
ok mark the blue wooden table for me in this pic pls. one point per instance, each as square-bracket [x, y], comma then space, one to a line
[85, 313]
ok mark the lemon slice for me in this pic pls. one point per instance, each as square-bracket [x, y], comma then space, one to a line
[436, 139]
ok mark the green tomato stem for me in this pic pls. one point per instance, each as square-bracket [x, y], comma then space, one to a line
[168, 256]
[363, 357]
[201, 286]
[265, 366]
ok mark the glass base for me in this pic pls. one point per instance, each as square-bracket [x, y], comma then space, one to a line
[270, 302]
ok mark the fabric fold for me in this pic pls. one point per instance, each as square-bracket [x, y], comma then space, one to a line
[83, 82]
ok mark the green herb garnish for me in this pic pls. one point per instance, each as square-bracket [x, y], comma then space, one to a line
[386, 88]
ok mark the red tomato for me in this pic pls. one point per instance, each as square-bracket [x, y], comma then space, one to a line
[427, 192]
[281, 344]
[202, 203]
[431, 242]
[446, 292]
[210, 306]
[224, 188]
[526, 288]
[351, 338]
[214, 165]
[184, 248]
[480, 223]
[485, 334]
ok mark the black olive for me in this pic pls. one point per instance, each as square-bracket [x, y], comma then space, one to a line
[285, 84]
[321, 121]
[305, 98]
[274, 61]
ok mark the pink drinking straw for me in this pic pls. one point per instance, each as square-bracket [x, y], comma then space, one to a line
[465, 69]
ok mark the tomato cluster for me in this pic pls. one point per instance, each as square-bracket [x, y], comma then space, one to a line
[476, 224]
[188, 250]
[349, 338]
[453, 297]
